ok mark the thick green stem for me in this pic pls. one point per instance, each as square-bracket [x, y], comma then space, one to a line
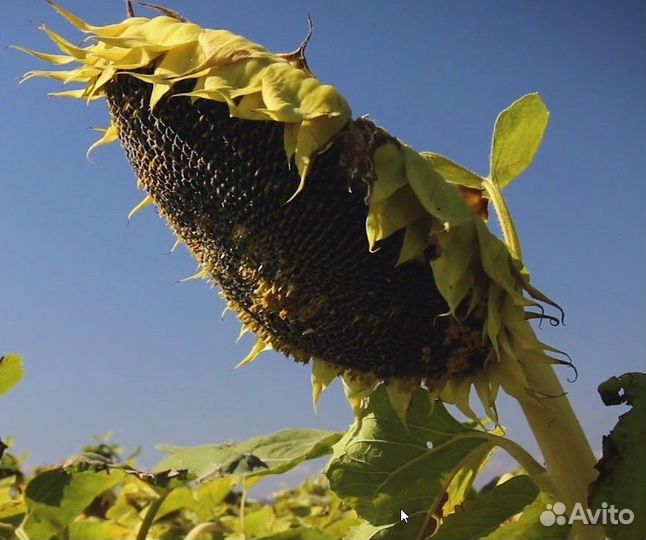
[504, 217]
[568, 457]
[149, 518]
[243, 502]
[567, 453]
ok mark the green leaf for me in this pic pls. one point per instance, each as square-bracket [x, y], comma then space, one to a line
[340, 524]
[257, 523]
[259, 456]
[462, 481]
[178, 499]
[528, 525]
[366, 531]
[384, 466]
[517, 135]
[300, 533]
[11, 372]
[441, 200]
[452, 172]
[483, 514]
[93, 529]
[622, 467]
[209, 496]
[11, 507]
[392, 214]
[55, 497]
[133, 496]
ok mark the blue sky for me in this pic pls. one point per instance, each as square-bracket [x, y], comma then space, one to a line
[111, 342]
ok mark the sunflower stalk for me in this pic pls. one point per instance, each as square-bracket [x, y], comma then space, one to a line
[565, 448]
[567, 453]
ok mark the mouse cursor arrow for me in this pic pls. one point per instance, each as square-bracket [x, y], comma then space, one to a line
[403, 516]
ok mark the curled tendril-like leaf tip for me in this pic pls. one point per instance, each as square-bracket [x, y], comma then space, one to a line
[297, 58]
[570, 363]
[164, 11]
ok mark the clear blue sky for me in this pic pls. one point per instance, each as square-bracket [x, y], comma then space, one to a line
[110, 341]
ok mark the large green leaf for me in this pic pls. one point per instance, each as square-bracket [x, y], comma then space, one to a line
[384, 466]
[528, 525]
[367, 531]
[10, 372]
[622, 468]
[267, 454]
[55, 497]
[482, 514]
[517, 135]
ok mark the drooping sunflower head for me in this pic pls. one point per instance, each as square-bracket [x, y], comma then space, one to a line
[334, 242]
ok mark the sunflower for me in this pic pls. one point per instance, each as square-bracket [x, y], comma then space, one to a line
[333, 241]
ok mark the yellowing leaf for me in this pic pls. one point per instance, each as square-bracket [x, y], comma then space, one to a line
[454, 270]
[71, 18]
[110, 134]
[259, 347]
[56, 59]
[440, 199]
[323, 373]
[391, 172]
[400, 393]
[11, 371]
[79, 93]
[95, 528]
[390, 215]
[223, 65]
[357, 388]
[416, 240]
[202, 274]
[314, 135]
[291, 139]
[452, 172]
